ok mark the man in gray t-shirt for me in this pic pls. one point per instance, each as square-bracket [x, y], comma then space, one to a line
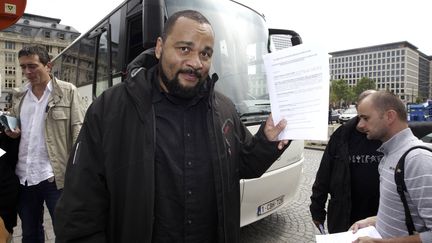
[383, 117]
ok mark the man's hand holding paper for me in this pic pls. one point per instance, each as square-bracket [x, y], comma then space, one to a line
[298, 84]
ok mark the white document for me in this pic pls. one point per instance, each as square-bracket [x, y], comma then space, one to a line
[298, 84]
[348, 237]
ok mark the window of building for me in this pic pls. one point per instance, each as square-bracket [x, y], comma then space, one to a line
[9, 45]
[61, 35]
[9, 83]
[9, 70]
[10, 57]
[26, 31]
[398, 52]
[47, 34]
[49, 48]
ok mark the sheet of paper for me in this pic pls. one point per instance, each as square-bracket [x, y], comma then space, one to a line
[298, 84]
[348, 237]
[2, 152]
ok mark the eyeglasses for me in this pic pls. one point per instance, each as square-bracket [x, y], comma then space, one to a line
[30, 67]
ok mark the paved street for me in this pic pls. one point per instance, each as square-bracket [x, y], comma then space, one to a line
[292, 224]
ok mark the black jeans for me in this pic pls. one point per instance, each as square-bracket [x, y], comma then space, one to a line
[31, 210]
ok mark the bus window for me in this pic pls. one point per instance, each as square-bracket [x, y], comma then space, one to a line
[102, 68]
[116, 70]
[67, 70]
[135, 37]
[86, 62]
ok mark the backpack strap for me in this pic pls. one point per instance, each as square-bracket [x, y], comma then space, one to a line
[401, 187]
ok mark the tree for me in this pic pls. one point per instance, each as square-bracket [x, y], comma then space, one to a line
[365, 83]
[340, 92]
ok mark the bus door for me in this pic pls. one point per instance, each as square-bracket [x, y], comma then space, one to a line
[102, 70]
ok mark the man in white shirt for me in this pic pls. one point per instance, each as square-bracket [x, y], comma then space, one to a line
[50, 114]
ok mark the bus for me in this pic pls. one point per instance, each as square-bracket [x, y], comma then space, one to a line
[98, 59]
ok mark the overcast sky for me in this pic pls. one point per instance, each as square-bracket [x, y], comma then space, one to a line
[335, 24]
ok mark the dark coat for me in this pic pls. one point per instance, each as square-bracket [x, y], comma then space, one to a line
[109, 186]
[9, 182]
[334, 178]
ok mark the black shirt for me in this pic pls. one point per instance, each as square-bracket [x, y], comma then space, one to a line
[364, 160]
[185, 202]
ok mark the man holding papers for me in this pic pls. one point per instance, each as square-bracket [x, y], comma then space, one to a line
[383, 117]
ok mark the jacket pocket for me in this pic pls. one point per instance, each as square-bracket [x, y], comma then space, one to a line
[58, 114]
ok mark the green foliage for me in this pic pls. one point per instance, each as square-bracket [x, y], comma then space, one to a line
[340, 92]
[365, 83]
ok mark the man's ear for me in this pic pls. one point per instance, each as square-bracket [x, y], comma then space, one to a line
[391, 116]
[49, 66]
[158, 50]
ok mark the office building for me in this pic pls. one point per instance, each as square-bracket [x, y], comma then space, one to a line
[398, 67]
[30, 29]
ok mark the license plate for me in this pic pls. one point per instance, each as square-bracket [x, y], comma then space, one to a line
[267, 207]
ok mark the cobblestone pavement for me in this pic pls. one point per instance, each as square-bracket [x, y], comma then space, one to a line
[291, 224]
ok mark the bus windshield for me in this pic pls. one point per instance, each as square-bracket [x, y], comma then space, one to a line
[241, 40]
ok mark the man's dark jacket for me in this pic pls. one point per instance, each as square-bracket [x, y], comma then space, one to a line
[9, 182]
[334, 178]
[109, 185]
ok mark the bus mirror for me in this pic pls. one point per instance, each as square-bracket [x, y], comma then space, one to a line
[280, 39]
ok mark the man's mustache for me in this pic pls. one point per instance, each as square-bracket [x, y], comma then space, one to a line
[191, 71]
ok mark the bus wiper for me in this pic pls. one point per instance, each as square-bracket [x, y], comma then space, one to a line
[255, 113]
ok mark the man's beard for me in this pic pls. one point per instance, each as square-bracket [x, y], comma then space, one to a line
[178, 90]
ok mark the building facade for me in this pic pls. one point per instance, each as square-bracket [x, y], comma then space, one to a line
[29, 30]
[398, 67]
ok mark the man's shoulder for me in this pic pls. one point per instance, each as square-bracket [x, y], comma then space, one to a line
[222, 99]
[65, 85]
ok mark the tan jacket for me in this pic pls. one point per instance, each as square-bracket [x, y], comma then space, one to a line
[63, 121]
